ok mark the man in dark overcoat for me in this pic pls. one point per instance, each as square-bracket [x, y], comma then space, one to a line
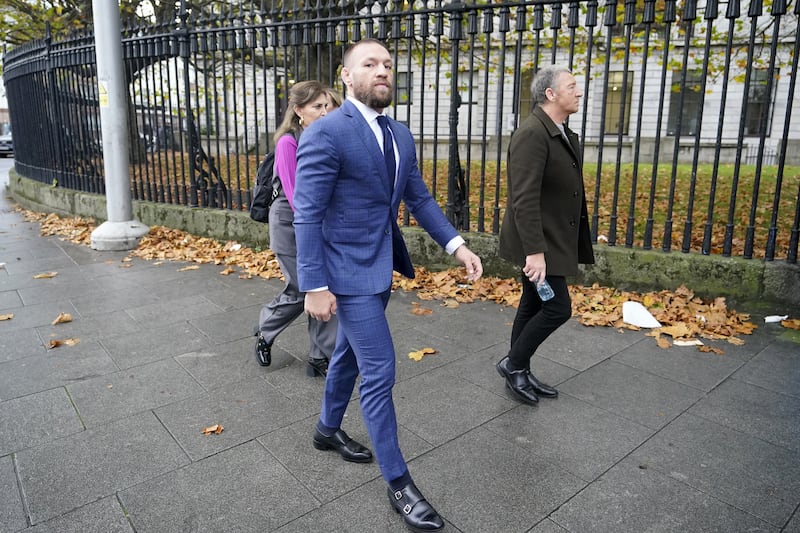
[545, 228]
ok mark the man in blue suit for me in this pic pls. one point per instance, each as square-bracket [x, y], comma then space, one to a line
[347, 196]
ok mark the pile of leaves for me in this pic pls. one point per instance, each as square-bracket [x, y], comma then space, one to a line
[682, 314]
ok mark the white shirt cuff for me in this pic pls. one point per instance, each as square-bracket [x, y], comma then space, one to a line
[454, 243]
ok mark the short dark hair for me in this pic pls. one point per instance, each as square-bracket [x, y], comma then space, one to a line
[355, 45]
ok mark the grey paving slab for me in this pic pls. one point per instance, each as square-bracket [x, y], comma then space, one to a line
[684, 364]
[55, 368]
[85, 256]
[644, 398]
[31, 316]
[412, 340]
[426, 401]
[183, 286]
[86, 328]
[770, 416]
[576, 436]
[20, 343]
[71, 472]
[761, 337]
[169, 310]
[48, 292]
[36, 419]
[150, 273]
[222, 364]
[103, 516]
[323, 473]
[12, 513]
[402, 303]
[64, 287]
[9, 300]
[228, 326]
[775, 368]
[743, 471]
[365, 510]
[142, 347]
[105, 302]
[481, 482]
[581, 347]
[474, 326]
[480, 369]
[288, 375]
[22, 241]
[27, 280]
[630, 499]
[56, 262]
[241, 293]
[548, 526]
[794, 524]
[246, 410]
[130, 391]
[250, 492]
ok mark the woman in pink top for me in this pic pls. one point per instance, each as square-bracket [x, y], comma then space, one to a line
[308, 101]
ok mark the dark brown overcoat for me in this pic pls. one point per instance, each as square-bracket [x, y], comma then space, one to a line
[546, 209]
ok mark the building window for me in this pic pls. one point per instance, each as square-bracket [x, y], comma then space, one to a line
[692, 100]
[525, 97]
[759, 108]
[404, 82]
[617, 118]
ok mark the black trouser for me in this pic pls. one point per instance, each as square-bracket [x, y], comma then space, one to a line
[535, 320]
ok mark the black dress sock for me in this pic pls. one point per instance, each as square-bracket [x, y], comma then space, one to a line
[400, 482]
[325, 430]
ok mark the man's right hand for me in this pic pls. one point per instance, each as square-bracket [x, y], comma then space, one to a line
[320, 305]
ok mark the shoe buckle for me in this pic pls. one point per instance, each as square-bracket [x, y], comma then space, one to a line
[398, 495]
[407, 509]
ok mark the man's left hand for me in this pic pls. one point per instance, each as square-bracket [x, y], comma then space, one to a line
[470, 261]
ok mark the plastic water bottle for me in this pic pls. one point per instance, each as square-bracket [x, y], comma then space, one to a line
[545, 290]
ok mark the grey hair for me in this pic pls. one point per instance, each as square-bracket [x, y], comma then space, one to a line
[545, 79]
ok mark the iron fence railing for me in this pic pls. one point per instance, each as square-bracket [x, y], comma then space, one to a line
[690, 137]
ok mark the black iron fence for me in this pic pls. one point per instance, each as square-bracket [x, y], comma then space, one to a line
[690, 137]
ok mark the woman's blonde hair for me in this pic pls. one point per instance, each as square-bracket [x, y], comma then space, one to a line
[334, 96]
[300, 94]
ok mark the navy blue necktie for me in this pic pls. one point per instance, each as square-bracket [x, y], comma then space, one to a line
[388, 149]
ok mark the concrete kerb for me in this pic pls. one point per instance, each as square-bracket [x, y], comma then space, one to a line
[769, 287]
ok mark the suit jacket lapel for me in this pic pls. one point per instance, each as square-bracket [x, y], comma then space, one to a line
[364, 133]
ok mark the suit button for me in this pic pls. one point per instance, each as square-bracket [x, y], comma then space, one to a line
[574, 164]
[386, 232]
[572, 223]
[575, 194]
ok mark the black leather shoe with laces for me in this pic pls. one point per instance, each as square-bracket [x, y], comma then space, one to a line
[341, 442]
[417, 513]
[263, 351]
[317, 367]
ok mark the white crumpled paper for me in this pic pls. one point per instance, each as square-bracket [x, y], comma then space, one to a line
[636, 314]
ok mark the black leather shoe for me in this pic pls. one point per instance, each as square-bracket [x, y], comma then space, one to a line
[542, 389]
[417, 513]
[317, 367]
[263, 351]
[517, 382]
[349, 449]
